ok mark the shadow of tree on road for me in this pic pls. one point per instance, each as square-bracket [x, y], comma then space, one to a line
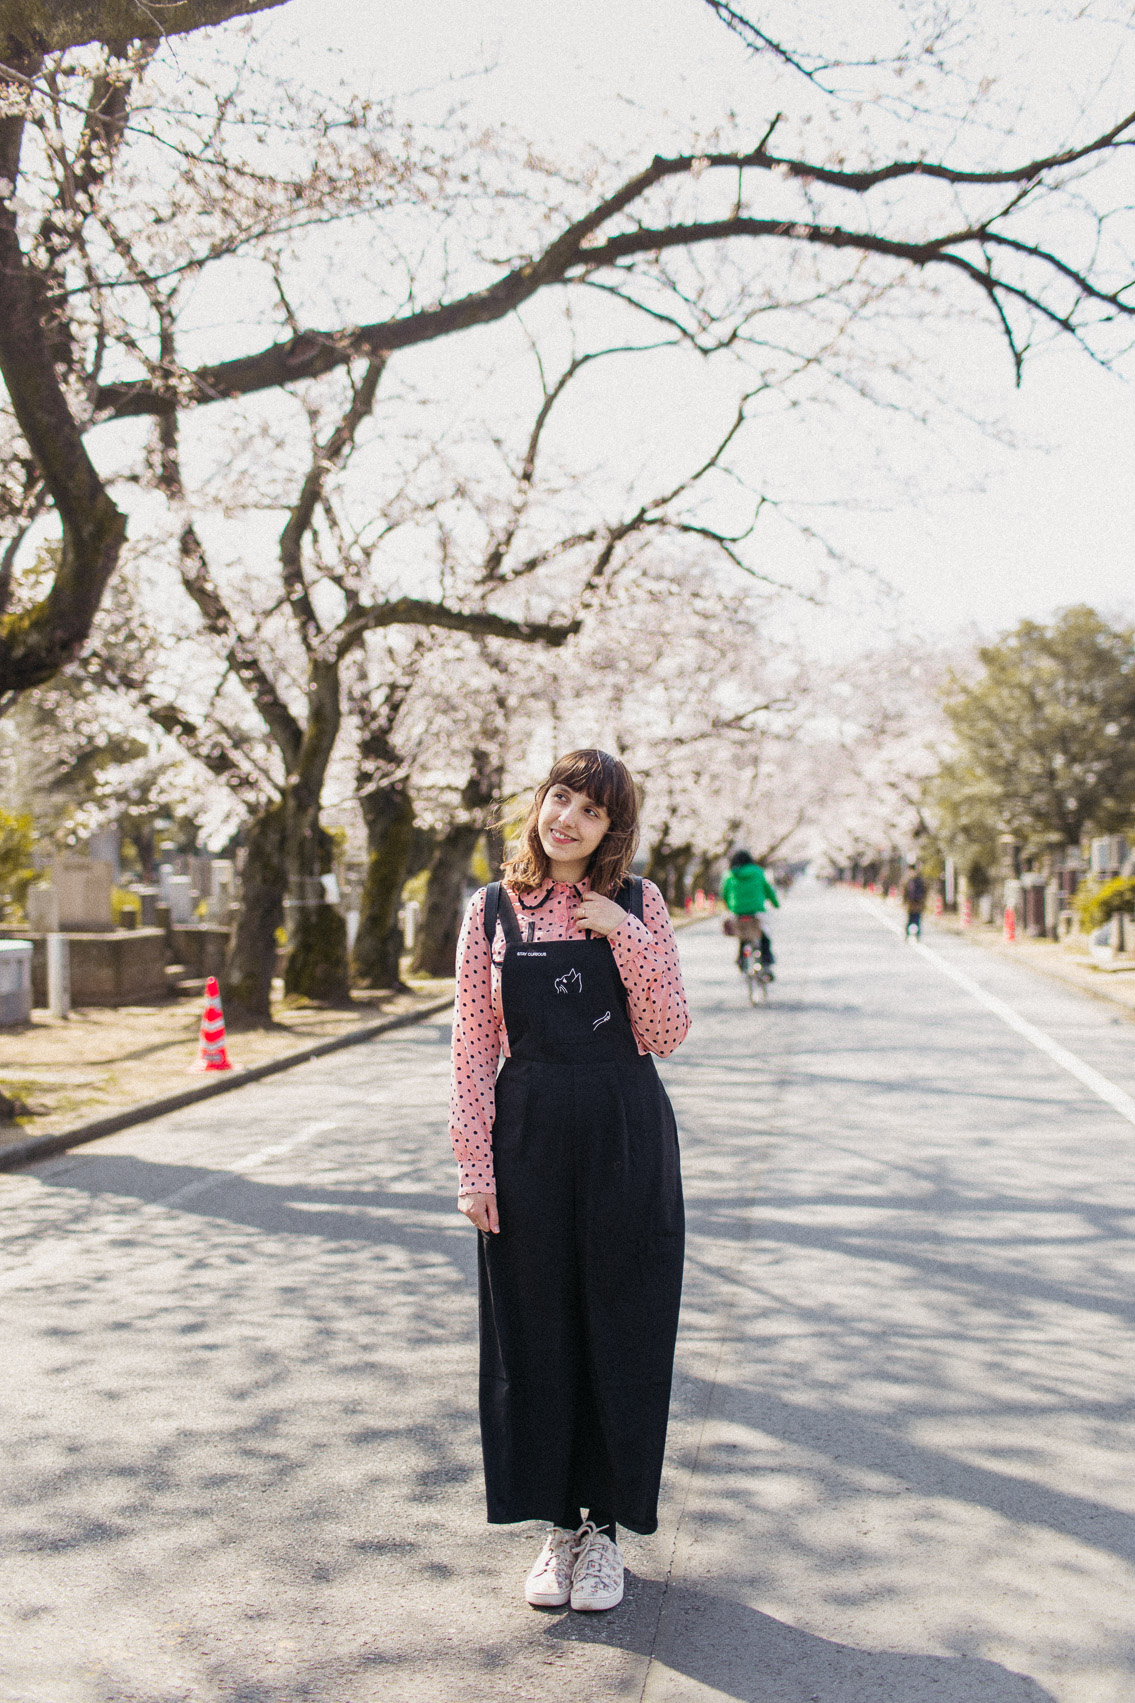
[737, 1652]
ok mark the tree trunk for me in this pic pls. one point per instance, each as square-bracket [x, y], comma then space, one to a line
[389, 816]
[36, 642]
[667, 869]
[495, 850]
[287, 852]
[703, 876]
[251, 960]
[436, 952]
[317, 963]
[682, 856]
[56, 24]
[318, 966]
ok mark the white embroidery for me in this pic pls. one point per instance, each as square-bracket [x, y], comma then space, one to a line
[604, 1019]
[571, 982]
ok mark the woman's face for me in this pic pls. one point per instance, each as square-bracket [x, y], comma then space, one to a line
[570, 826]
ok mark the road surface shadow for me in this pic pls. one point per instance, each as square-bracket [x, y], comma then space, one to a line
[332, 1212]
[738, 1652]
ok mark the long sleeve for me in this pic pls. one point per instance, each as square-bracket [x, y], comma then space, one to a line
[647, 957]
[476, 1054]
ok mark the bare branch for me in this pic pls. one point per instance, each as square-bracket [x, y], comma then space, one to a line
[327, 456]
[415, 612]
[576, 255]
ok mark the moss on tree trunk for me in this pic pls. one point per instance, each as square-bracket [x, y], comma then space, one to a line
[436, 952]
[317, 962]
[389, 816]
[251, 960]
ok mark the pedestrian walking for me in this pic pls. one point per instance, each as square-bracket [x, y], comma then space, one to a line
[914, 897]
[568, 1164]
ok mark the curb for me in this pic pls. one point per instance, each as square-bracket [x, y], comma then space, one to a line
[17, 1153]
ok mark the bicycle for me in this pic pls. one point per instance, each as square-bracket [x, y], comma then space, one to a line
[757, 975]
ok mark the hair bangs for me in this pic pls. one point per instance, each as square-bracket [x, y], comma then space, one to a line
[593, 773]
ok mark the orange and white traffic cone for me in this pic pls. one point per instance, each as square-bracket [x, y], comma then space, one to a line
[1010, 923]
[212, 1054]
[967, 913]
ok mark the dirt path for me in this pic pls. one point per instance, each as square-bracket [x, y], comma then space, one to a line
[103, 1061]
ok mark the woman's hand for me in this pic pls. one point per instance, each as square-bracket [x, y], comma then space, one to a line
[481, 1210]
[600, 915]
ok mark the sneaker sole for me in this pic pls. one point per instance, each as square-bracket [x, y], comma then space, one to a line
[594, 1603]
[547, 1599]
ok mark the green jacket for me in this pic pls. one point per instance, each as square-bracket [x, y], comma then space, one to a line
[745, 890]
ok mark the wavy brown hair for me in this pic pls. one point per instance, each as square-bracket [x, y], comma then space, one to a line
[606, 781]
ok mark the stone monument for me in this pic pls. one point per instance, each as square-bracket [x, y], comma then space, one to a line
[179, 899]
[42, 908]
[82, 894]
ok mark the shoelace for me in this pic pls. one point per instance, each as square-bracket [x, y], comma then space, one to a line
[556, 1542]
[594, 1560]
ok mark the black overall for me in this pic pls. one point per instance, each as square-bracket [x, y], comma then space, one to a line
[579, 1292]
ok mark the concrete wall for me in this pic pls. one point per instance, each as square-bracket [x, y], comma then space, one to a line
[125, 967]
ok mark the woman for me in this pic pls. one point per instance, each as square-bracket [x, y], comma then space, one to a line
[568, 1165]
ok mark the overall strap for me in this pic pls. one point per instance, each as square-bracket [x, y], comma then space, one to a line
[492, 905]
[498, 903]
[630, 896]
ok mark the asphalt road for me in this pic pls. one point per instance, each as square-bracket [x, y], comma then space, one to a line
[238, 1355]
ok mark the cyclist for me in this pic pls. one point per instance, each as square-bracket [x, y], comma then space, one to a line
[746, 890]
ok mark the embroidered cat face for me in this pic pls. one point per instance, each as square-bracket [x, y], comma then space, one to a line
[571, 982]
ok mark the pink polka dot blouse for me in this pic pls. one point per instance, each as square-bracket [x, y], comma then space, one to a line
[646, 955]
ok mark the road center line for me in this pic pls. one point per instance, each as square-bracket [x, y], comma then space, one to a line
[1110, 1092]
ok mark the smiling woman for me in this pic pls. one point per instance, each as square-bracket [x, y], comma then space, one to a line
[569, 1168]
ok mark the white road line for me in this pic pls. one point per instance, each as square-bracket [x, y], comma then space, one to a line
[1109, 1092]
[60, 1253]
[201, 1185]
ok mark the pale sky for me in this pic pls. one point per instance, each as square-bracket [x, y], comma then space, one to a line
[970, 531]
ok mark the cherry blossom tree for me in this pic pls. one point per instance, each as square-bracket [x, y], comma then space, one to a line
[97, 144]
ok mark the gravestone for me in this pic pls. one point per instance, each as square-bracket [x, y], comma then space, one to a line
[179, 898]
[106, 847]
[222, 893]
[42, 908]
[200, 874]
[148, 899]
[82, 893]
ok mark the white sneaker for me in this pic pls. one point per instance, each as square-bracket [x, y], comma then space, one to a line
[549, 1583]
[597, 1581]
